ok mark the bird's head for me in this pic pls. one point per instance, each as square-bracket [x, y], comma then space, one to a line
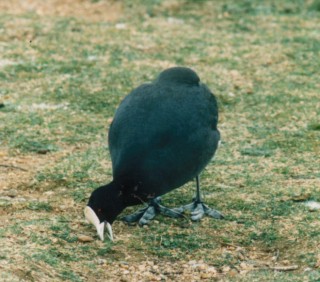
[103, 207]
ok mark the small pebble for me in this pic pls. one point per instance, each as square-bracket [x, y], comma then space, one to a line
[205, 275]
[175, 21]
[313, 205]
[233, 272]
[85, 238]
[226, 268]
[212, 269]
[121, 26]
[10, 193]
[202, 266]
[101, 261]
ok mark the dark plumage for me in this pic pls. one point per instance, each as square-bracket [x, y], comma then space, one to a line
[163, 134]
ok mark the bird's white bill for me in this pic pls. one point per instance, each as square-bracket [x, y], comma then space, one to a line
[93, 218]
[109, 231]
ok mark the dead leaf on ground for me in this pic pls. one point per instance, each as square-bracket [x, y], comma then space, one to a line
[301, 197]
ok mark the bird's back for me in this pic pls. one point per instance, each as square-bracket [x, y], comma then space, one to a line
[163, 134]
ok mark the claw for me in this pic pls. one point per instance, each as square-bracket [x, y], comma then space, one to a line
[175, 213]
[199, 210]
[213, 213]
[189, 207]
[149, 214]
[135, 216]
[198, 213]
[145, 215]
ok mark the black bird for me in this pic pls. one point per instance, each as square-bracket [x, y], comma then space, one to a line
[163, 134]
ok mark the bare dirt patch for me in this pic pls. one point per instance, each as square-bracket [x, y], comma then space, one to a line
[16, 171]
[19, 170]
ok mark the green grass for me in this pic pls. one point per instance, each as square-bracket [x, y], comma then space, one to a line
[62, 76]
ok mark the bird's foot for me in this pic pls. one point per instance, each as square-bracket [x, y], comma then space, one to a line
[199, 210]
[145, 215]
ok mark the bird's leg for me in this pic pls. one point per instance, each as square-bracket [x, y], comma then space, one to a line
[198, 209]
[145, 215]
[198, 197]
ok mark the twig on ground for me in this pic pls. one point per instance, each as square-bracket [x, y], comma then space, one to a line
[15, 167]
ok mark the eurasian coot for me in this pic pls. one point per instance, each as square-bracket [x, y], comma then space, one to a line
[163, 134]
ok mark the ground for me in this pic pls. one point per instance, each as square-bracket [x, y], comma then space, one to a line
[64, 68]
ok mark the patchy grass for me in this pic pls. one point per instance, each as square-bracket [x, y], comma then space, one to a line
[64, 68]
